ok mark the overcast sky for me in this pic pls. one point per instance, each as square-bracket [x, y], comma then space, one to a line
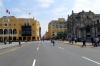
[46, 10]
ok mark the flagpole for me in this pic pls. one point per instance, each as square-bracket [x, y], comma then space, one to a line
[6, 13]
[13, 13]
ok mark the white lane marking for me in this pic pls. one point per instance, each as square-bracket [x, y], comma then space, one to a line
[60, 47]
[91, 60]
[34, 62]
[38, 48]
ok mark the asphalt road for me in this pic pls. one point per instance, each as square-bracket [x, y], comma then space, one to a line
[44, 54]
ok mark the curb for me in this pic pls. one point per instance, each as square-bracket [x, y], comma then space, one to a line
[10, 46]
[75, 44]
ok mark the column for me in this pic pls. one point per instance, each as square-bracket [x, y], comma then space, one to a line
[79, 33]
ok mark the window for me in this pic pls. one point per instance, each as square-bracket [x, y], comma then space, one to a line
[60, 26]
[88, 29]
[14, 24]
[0, 24]
[98, 29]
[56, 26]
[97, 21]
[87, 17]
[88, 36]
[19, 32]
[5, 24]
[52, 34]
[64, 26]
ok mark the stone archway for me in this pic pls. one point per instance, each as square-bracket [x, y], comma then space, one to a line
[14, 31]
[5, 31]
[33, 38]
[1, 31]
[28, 38]
[20, 38]
[14, 39]
[24, 38]
[5, 38]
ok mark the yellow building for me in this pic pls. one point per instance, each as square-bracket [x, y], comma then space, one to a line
[56, 26]
[12, 28]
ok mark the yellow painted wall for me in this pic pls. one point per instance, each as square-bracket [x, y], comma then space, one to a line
[52, 29]
[13, 22]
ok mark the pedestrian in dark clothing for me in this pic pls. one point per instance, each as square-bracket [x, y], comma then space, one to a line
[84, 41]
[92, 40]
[75, 40]
[72, 40]
[96, 41]
[19, 42]
[5, 42]
[53, 41]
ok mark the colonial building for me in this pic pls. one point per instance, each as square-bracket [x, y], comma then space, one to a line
[12, 28]
[57, 26]
[46, 36]
[83, 24]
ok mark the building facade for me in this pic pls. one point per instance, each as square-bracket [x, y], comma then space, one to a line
[83, 24]
[57, 26]
[12, 28]
[46, 36]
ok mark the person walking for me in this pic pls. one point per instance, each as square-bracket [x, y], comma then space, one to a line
[75, 39]
[84, 41]
[53, 41]
[72, 40]
[92, 40]
[20, 43]
[96, 41]
[5, 42]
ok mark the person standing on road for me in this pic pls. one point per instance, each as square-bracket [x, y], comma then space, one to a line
[96, 41]
[53, 41]
[92, 40]
[19, 42]
[5, 42]
[75, 39]
[72, 40]
[84, 41]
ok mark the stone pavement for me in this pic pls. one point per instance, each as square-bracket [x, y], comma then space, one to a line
[2, 45]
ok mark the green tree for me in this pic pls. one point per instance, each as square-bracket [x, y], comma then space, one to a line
[60, 35]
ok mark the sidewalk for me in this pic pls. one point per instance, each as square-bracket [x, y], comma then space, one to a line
[2, 45]
[77, 44]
